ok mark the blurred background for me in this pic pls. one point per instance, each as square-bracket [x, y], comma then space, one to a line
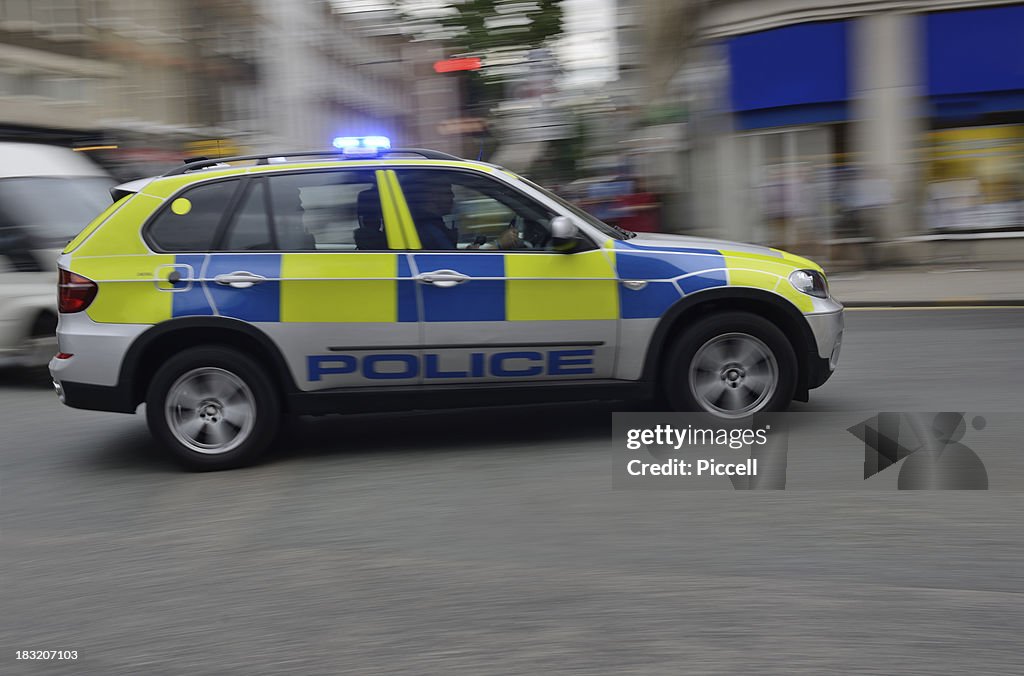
[861, 134]
[868, 133]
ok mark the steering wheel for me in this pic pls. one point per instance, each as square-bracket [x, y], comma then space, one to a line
[510, 239]
[527, 237]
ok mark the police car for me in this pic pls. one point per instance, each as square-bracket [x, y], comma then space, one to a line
[227, 293]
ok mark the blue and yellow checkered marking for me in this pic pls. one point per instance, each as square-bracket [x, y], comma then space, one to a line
[670, 272]
[479, 300]
[301, 287]
[189, 299]
[556, 287]
[521, 287]
[258, 303]
[648, 302]
[346, 287]
[707, 279]
[380, 287]
[407, 308]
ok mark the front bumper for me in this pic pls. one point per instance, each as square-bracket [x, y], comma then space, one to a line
[827, 328]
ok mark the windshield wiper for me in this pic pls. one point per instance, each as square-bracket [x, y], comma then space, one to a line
[629, 234]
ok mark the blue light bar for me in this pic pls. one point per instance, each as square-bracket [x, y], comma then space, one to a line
[379, 142]
[362, 145]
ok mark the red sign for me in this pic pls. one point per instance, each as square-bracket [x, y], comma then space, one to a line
[453, 65]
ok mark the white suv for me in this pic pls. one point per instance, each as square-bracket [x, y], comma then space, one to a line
[47, 195]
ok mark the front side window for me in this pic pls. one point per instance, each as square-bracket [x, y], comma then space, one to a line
[327, 211]
[457, 210]
[190, 221]
[610, 230]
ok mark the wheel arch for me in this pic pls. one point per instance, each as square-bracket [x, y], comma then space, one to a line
[157, 344]
[756, 301]
[43, 322]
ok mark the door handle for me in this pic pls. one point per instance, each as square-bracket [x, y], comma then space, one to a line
[240, 279]
[444, 279]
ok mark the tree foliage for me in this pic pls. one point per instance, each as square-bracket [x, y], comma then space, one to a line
[481, 26]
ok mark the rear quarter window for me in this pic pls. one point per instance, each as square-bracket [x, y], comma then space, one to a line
[189, 221]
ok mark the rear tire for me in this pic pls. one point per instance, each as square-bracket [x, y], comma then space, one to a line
[731, 365]
[213, 408]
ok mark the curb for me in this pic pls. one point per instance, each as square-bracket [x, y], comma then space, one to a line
[948, 302]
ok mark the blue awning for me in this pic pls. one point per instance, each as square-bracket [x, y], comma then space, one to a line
[975, 50]
[790, 75]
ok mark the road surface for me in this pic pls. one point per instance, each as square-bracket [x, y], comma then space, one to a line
[490, 541]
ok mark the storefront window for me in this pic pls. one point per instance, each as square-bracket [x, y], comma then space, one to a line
[974, 179]
[791, 187]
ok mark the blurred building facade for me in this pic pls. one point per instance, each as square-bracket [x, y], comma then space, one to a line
[166, 79]
[150, 76]
[325, 76]
[652, 140]
[826, 127]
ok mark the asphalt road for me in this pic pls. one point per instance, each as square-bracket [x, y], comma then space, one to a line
[490, 541]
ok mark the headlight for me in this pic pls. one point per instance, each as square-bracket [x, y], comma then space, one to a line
[810, 282]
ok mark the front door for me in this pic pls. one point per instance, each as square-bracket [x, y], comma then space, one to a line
[497, 302]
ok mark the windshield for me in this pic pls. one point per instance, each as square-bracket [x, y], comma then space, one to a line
[53, 208]
[610, 230]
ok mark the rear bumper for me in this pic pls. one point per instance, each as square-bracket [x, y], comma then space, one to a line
[94, 397]
[90, 378]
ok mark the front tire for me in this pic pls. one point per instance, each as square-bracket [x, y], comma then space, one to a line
[213, 408]
[731, 365]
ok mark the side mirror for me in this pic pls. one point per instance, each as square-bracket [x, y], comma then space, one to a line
[563, 234]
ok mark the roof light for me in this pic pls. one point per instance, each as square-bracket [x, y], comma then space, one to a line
[362, 145]
[381, 142]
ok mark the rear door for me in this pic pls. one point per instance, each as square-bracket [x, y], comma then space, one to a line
[309, 258]
[314, 261]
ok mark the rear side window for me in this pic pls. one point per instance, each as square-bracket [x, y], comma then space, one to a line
[250, 230]
[190, 222]
[327, 211]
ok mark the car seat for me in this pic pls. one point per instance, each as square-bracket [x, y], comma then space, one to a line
[292, 234]
[369, 236]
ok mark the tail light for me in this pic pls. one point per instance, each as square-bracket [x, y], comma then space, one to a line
[74, 292]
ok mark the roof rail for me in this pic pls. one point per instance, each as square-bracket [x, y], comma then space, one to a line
[265, 158]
